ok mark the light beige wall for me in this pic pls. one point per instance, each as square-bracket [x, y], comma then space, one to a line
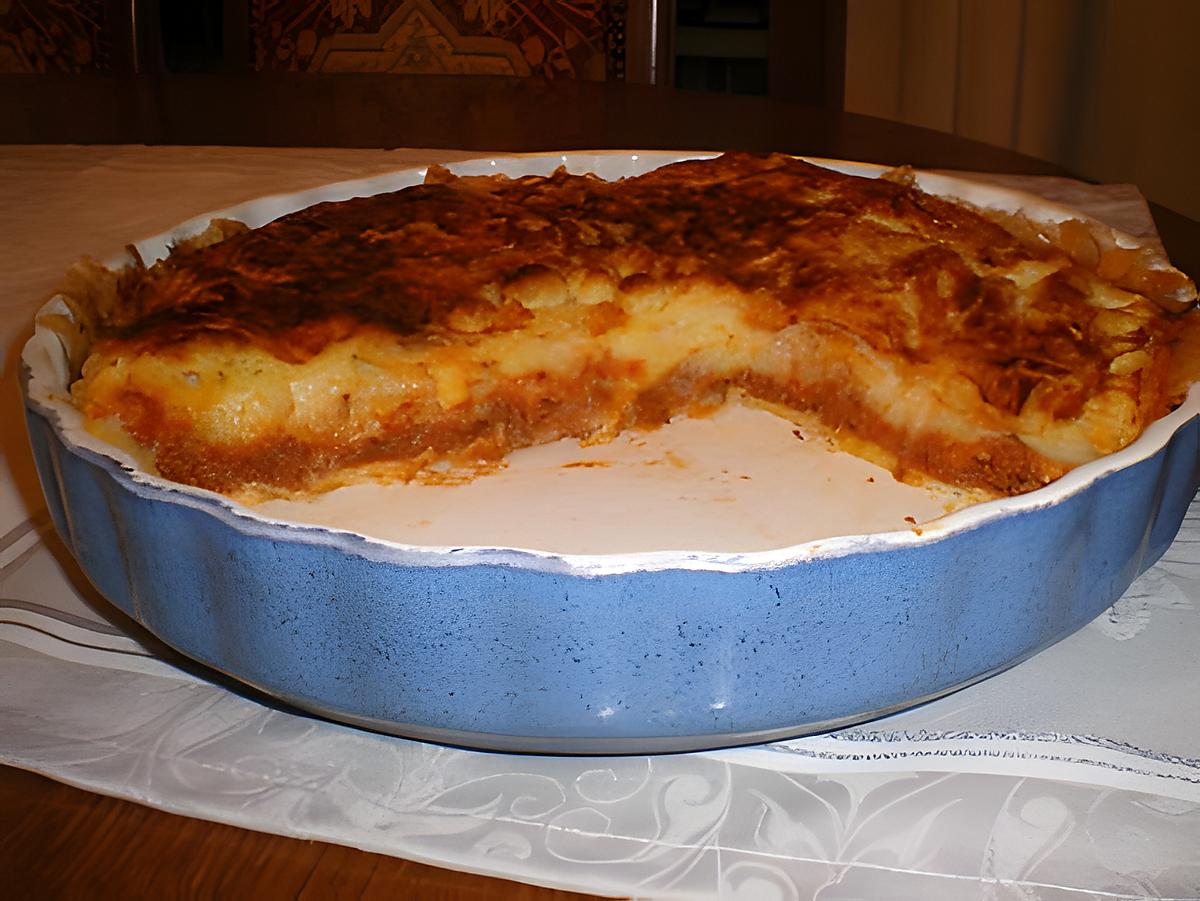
[1106, 88]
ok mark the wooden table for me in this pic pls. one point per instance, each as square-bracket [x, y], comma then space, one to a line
[57, 841]
[61, 842]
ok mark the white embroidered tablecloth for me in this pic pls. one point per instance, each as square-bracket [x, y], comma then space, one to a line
[1074, 775]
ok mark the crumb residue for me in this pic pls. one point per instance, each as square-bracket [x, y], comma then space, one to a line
[675, 460]
[587, 464]
[457, 474]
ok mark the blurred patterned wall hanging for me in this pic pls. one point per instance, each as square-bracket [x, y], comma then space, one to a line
[550, 38]
[37, 36]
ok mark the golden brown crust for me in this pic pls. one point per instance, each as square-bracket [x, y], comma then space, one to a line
[1033, 345]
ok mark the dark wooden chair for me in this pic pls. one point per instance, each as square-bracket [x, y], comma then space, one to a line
[791, 49]
[552, 39]
[395, 73]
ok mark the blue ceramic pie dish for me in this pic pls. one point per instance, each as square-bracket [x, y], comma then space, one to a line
[531, 651]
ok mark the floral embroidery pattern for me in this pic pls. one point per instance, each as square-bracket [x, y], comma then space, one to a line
[550, 38]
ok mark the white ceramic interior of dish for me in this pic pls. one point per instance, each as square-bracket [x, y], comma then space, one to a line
[740, 480]
[722, 490]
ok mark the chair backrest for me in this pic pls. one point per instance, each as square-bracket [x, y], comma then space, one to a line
[341, 71]
[580, 39]
[789, 49]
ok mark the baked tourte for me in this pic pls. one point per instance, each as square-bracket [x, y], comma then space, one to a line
[451, 322]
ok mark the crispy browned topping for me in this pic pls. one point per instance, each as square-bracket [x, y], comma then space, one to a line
[906, 270]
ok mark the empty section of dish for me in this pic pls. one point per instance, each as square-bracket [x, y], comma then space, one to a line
[740, 480]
